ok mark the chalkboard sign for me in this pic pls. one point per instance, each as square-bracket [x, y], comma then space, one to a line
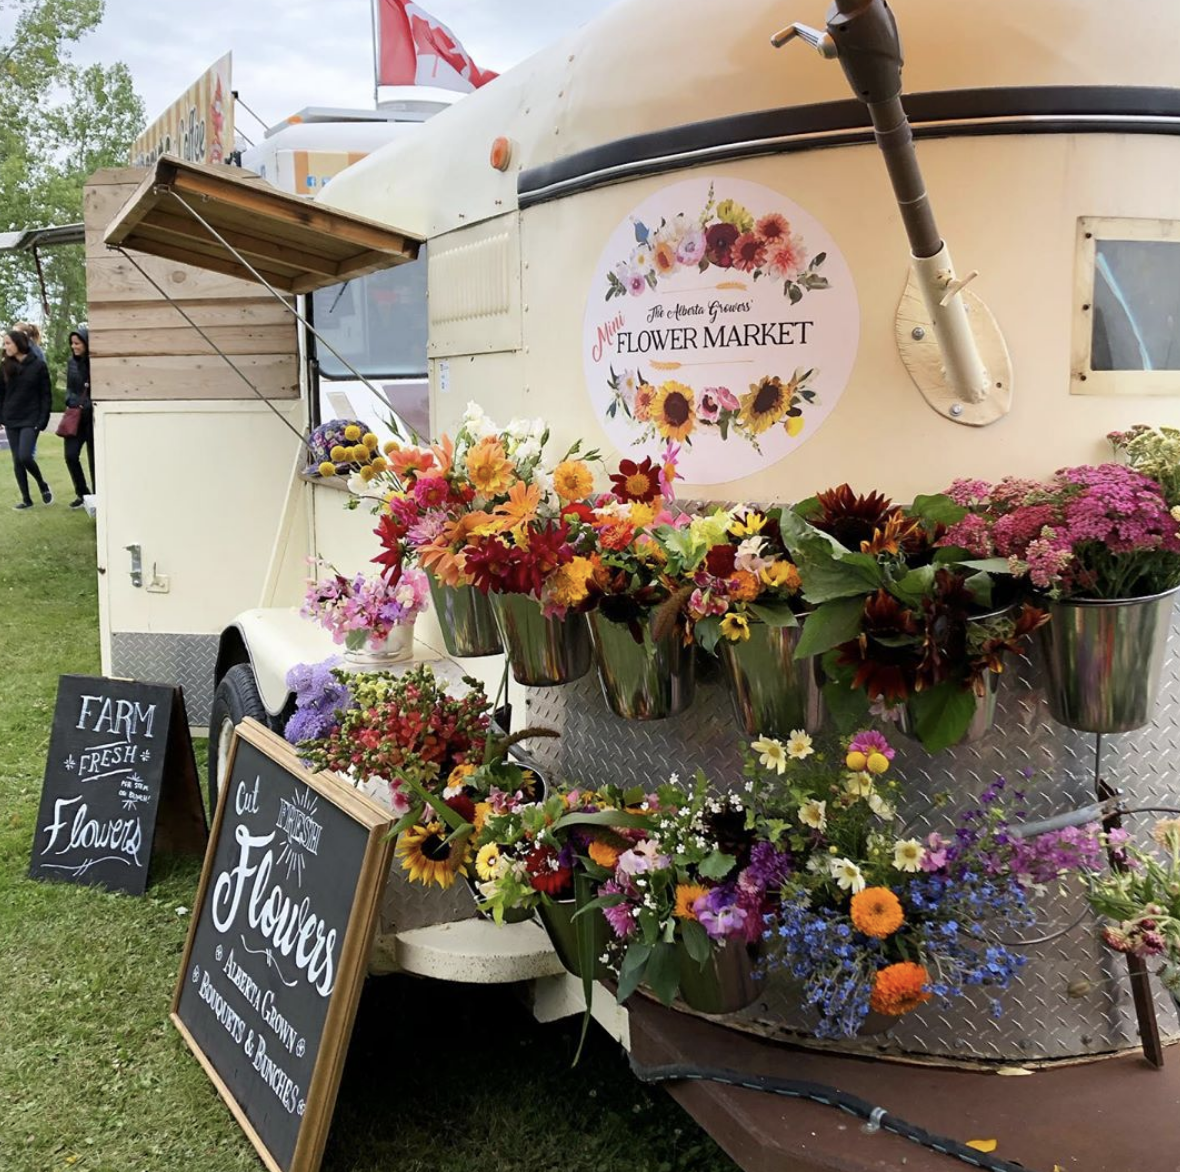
[120, 767]
[279, 943]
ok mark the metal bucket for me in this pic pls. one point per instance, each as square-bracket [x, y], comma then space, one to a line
[558, 918]
[465, 618]
[1104, 660]
[642, 681]
[543, 651]
[981, 722]
[725, 983]
[773, 693]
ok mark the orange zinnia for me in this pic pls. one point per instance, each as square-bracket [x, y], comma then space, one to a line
[898, 988]
[604, 854]
[744, 586]
[877, 912]
[686, 895]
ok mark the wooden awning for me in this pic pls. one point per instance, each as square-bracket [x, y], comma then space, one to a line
[294, 244]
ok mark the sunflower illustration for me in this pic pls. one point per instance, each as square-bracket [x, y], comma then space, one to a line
[765, 404]
[672, 410]
[428, 857]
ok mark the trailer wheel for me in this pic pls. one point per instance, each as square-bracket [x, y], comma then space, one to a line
[236, 698]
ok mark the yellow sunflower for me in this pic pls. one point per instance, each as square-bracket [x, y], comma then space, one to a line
[428, 857]
[672, 410]
[764, 404]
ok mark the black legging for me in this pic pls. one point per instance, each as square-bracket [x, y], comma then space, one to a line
[23, 442]
[74, 445]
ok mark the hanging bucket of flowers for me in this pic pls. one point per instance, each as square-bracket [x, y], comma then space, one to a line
[773, 693]
[557, 916]
[1105, 658]
[543, 650]
[644, 676]
[726, 982]
[466, 620]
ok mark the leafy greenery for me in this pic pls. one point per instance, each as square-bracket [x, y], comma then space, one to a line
[93, 1077]
[59, 123]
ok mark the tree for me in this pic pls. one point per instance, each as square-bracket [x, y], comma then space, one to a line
[59, 123]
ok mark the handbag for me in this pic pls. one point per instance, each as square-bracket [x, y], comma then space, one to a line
[71, 420]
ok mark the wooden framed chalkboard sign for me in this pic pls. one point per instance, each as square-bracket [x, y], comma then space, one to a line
[120, 781]
[279, 943]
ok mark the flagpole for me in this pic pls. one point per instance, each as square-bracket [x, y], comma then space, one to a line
[376, 52]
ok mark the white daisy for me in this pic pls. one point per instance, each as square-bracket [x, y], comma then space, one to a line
[860, 785]
[814, 814]
[799, 745]
[908, 854]
[772, 754]
[847, 875]
[881, 807]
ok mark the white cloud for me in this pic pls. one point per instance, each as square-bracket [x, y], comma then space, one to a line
[294, 53]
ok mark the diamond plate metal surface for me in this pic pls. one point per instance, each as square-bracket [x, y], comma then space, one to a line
[1040, 1019]
[186, 660]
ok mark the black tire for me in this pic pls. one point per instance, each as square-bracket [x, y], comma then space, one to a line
[236, 698]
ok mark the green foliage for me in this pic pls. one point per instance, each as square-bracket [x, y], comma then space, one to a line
[59, 123]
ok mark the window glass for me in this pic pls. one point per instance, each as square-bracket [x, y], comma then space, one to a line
[377, 322]
[1136, 311]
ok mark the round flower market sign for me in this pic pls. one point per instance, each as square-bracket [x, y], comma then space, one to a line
[722, 320]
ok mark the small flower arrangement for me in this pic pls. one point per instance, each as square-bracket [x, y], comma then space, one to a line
[1102, 531]
[902, 615]
[1141, 898]
[698, 878]
[732, 570]
[342, 446]
[872, 919]
[361, 610]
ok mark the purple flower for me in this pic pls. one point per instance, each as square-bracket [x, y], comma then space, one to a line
[768, 869]
[720, 914]
[642, 858]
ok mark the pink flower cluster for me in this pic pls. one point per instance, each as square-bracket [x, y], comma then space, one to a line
[368, 606]
[1048, 531]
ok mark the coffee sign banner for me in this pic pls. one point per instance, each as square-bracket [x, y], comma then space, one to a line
[198, 127]
[279, 943]
[721, 329]
[120, 782]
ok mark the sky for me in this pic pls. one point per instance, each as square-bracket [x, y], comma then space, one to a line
[294, 53]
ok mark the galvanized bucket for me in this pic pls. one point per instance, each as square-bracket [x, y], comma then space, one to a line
[725, 983]
[1104, 660]
[465, 618]
[396, 647]
[981, 721]
[543, 651]
[558, 918]
[773, 694]
[642, 681]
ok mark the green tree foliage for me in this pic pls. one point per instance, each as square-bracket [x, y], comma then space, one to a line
[59, 123]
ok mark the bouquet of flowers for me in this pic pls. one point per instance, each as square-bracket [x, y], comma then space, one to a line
[901, 614]
[698, 878]
[1097, 531]
[1154, 451]
[732, 569]
[341, 446]
[872, 919]
[1141, 896]
[362, 610]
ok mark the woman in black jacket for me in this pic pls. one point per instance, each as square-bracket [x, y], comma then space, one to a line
[24, 410]
[78, 395]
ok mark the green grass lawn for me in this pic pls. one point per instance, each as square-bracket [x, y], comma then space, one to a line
[92, 1074]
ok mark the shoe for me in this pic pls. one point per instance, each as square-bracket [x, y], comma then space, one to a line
[76, 503]
[22, 505]
[47, 495]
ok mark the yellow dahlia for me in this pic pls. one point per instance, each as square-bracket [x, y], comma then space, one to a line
[488, 467]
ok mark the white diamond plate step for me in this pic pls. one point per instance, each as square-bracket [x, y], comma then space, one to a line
[476, 952]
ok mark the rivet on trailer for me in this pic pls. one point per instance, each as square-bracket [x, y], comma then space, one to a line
[1041, 135]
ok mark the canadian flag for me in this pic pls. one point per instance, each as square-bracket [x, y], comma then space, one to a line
[416, 49]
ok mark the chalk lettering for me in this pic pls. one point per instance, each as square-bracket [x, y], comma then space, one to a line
[124, 835]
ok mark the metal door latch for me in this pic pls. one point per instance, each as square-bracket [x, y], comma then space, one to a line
[136, 551]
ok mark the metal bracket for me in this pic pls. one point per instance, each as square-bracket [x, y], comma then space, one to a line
[136, 552]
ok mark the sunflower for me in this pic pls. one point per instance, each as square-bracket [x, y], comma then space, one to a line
[686, 895]
[736, 628]
[898, 988]
[428, 857]
[886, 652]
[636, 482]
[672, 410]
[849, 518]
[764, 404]
[573, 480]
[877, 912]
[488, 466]
[898, 535]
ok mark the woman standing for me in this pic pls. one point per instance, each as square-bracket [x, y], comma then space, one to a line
[78, 395]
[25, 400]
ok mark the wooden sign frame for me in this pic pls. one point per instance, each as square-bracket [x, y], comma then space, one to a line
[354, 953]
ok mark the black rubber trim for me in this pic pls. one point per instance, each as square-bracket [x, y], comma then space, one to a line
[937, 114]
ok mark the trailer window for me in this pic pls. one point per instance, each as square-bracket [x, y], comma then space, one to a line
[377, 322]
[1127, 319]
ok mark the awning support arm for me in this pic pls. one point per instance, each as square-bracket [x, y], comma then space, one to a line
[41, 282]
[278, 296]
[220, 353]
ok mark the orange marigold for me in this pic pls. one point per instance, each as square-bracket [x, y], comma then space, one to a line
[570, 584]
[604, 854]
[877, 912]
[686, 895]
[898, 988]
[744, 586]
[573, 480]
